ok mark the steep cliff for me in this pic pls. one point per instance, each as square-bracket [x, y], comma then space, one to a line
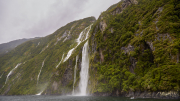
[133, 51]
[28, 69]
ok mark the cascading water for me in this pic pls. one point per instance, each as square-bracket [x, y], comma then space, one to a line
[40, 71]
[75, 74]
[60, 61]
[12, 71]
[84, 74]
[44, 49]
[79, 40]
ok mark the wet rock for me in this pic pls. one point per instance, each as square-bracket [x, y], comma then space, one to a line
[55, 86]
[125, 3]
[160, 9]
[160, 95]
[7, 90]
[133, 62]
[163, 37]
[112, 30]
[65, 34]
[177, 58]
[117, 11]
[67, 76]
[127, 49]
[102, 25]
[150, 43]
[101, 56]
[128, 2]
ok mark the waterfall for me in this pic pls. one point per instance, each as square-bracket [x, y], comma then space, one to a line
[75, 74]
[40, 70]
[60, 61]
[79, 40]
[12, 71]
[84, 71]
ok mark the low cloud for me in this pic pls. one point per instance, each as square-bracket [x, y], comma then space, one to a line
[37, 18]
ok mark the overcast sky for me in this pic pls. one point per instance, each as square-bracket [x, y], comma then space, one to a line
[37, 18]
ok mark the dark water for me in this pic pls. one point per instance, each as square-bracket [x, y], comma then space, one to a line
[72, 98]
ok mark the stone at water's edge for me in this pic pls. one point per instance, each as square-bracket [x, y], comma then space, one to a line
[159, 95]
[145, 94]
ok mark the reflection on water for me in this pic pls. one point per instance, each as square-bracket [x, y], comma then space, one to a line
[73, 98]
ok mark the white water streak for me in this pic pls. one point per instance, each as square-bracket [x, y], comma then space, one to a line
[67, 36]
[12, 71]
[75, 68]
[1, 75]
[40, 93]
[79, 40]
[84, 74]
[58, 39]
[69, 54]
[40, 70]
[60, 61]
[38, 44]
[44, 49]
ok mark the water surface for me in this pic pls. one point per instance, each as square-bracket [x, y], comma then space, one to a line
[73, 98]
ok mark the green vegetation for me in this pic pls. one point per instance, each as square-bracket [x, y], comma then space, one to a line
[32, 54]
[151, 27]
[132, 47]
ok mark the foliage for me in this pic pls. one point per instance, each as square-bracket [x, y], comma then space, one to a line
[151, 27]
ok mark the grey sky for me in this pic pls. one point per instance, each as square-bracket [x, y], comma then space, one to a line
[36, 18]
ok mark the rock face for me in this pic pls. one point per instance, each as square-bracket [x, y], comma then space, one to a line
[55, 86]
[128, 2]
[125, 3]
[93, 42]
[128, 49]
[102, 25]
[163, 37]
[160, 95]
[133, 62]
[101, 55]
[150, 43]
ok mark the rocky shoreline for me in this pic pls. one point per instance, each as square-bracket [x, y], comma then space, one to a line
[144, 94]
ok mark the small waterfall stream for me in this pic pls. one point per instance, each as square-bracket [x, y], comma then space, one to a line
[60, 61]
[84, 74]
[12, 71]
[40, 71]
[79, 40]
[75, 68]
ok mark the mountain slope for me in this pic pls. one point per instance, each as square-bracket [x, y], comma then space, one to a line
[133, 52]
[38, 59]
[134, 48]
[6, 47]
